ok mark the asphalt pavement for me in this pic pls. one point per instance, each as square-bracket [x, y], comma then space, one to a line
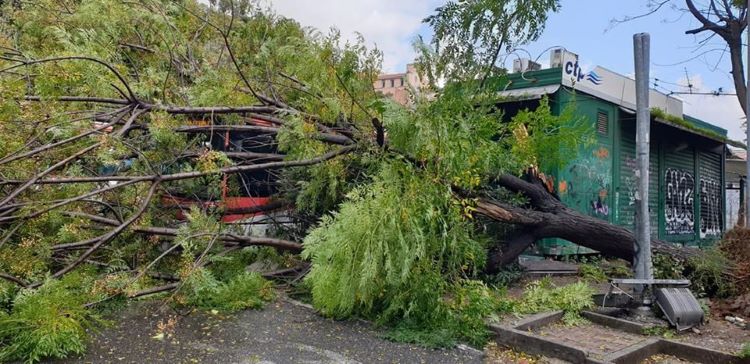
[282, 332]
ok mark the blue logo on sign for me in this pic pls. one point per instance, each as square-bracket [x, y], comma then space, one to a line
[573, 69]
[594, 78]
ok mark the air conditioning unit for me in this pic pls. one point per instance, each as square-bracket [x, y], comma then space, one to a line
[559, 56]
[525, 65]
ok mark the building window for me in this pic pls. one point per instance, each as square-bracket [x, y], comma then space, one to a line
[602, 123]
[391, 82]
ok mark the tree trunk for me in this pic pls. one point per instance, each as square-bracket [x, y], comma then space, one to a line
[738, 70]
[547, 217]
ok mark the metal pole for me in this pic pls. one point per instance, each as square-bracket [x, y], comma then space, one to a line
[642, 45]
[747, 133]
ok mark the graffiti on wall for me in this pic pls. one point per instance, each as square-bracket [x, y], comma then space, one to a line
[710, 207]
[630, 181]
[679, 213]
[599, 207]
[625, 208]
[587, 184]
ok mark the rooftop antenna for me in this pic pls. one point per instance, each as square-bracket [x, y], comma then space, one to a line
[689, 84]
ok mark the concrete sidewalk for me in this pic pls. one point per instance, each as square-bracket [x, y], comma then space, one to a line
[283, 332]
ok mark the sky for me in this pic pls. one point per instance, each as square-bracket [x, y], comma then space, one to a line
[581, 26]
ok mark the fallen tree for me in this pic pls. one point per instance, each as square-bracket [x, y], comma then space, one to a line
[183, 101]
[547, 217]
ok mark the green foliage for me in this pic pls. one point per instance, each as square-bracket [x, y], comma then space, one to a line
[403, 247]
[547, 141]
[745, 351]
[225, 285]
[472, 36]
[403, 241]
[599, 270]
[661, 114]
[198, 234]
[46, 322]
[459, 317]
[506, 276]
[618, 269]
[8, 292]
[707, 274]
[705, 308]
[243, 291]
[592, 272]
[667, 267]
[663, 331]
[462, 150]
[386, 238]
[543, 295]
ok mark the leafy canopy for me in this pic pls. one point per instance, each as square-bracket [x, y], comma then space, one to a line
[391, 237]
[471, 36]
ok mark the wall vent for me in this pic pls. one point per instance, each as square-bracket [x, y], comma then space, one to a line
[602, 123]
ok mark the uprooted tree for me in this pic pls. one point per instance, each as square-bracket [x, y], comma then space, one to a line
[110, 112]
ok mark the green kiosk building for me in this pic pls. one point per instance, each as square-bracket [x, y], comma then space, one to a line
[687, 158]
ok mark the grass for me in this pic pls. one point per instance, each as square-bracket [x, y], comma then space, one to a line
[745, 351]
[661, 114]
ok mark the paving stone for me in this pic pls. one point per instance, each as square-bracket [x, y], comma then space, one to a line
[592, 338]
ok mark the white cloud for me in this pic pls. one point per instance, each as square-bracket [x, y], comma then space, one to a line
[724, 111]
[389, 24]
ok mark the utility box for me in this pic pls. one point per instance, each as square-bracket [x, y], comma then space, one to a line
[525, 65]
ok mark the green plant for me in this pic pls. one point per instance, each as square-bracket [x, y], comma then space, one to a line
[663, 115]
[705, 308]
[461, 316]
[506, 276]
[246, 290]
[745, 351]
[667, 267]
[662, 331]
[706, 273]
[618, 269]
[543, 295]
[592, 272]
[50, 321]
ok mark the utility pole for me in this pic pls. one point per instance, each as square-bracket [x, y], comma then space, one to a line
[642, 47]
[747, 133]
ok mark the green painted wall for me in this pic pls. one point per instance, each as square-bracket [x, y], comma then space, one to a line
[686, 178]
[586, 183]
[686, 197]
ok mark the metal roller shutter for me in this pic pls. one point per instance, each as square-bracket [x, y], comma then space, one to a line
[710, 195]
[627, 187]
[679, 193]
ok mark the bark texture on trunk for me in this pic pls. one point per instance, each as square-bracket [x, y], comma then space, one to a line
[547, 217]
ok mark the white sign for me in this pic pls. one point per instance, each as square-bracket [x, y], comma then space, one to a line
[611, 86]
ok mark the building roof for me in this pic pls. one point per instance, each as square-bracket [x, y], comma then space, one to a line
[534, 84]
